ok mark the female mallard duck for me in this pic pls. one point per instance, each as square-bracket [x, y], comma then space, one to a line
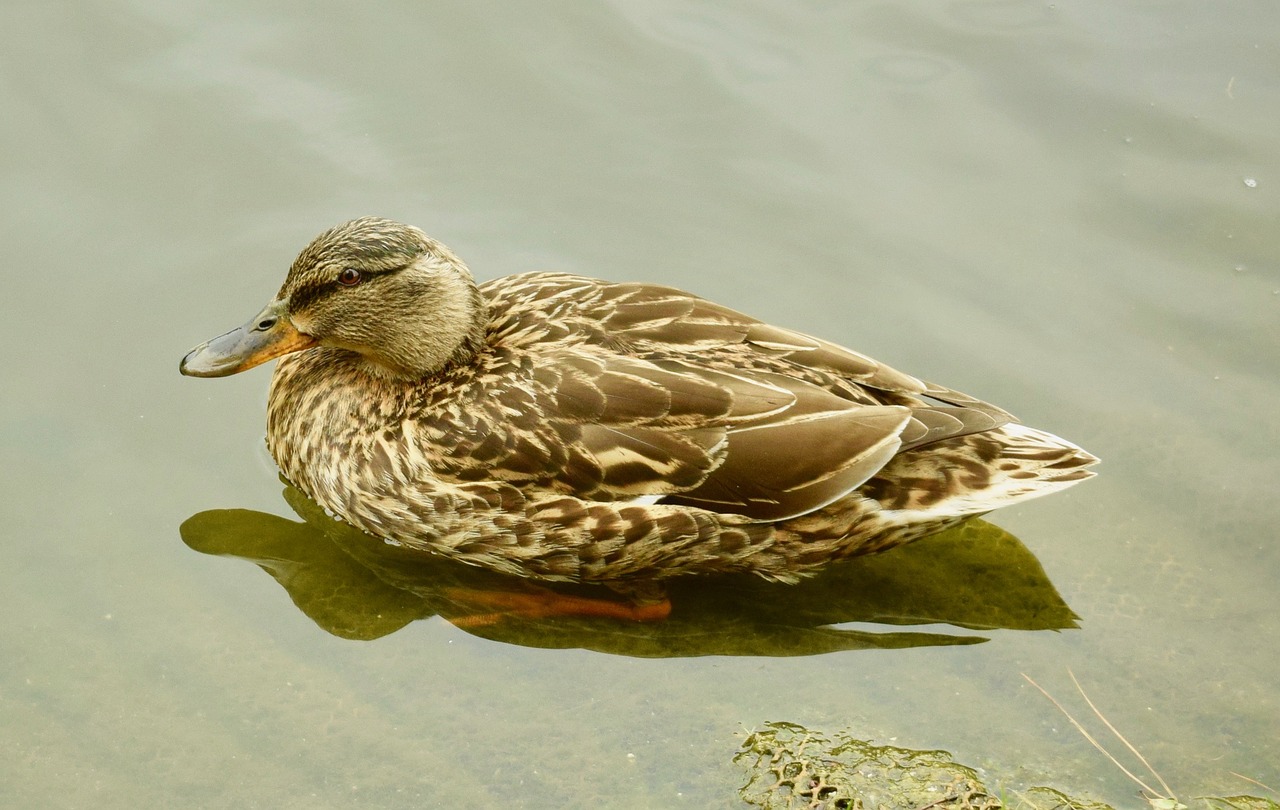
[565, 428]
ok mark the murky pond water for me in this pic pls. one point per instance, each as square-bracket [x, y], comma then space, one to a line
[1067, 209]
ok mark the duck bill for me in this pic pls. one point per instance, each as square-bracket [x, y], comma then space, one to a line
[266, 336]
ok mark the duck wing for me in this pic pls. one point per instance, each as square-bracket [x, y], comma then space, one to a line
[649, 319]
[754, 443]
[642, 392]
[653, 319]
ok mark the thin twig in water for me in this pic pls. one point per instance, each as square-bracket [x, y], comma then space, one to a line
[1085, 733]
[1255, 781]
[1168, 791]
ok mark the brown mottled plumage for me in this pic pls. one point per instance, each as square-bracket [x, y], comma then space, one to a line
[566, 428]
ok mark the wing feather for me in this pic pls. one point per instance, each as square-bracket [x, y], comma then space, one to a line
[631, 391]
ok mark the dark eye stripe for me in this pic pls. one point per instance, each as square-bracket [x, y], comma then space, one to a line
[307, 294]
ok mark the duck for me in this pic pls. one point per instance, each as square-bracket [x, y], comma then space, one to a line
[562, 428]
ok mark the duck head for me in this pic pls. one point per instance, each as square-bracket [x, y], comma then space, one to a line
[399, 301]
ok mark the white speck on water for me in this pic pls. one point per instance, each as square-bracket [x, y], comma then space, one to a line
[1250, 182]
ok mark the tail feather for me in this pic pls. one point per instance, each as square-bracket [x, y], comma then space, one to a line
[970, 475]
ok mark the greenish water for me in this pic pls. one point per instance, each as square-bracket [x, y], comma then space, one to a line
[1067, 209]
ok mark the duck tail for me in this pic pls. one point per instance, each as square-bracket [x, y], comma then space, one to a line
[974, 474]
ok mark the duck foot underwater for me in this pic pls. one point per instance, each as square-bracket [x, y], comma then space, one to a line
[539, 603]
[568, 429]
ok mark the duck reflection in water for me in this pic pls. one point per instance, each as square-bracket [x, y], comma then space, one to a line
[975, 577]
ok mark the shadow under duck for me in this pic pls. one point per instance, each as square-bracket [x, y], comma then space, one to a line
[565, 428]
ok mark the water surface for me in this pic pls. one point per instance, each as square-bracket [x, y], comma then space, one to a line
[1066, 209]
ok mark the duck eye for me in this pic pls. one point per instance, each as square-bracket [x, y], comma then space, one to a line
[349, 277]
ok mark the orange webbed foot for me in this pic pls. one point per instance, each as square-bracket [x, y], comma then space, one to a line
[542, 603]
